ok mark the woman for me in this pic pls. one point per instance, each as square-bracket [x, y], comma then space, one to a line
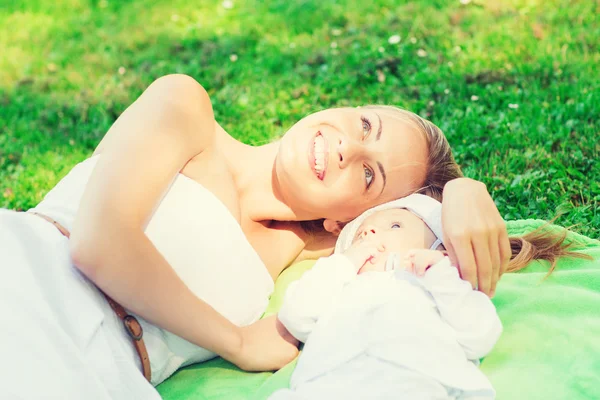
[187, 228]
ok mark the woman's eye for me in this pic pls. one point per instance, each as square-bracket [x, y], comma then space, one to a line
[366, 126]
[368, 176]
[395, 226]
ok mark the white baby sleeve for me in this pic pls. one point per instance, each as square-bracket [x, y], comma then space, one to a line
[470, 313]
[310, 297]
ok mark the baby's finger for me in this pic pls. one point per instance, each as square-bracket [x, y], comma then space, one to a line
[408, 264]
[421, 263]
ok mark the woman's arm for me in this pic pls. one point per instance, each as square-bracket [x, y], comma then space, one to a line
[169, 124]
[474, 233]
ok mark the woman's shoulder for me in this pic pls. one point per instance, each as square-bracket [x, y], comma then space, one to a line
[185, 109]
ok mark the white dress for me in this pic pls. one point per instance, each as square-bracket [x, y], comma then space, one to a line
[59, 338]
[388, 335]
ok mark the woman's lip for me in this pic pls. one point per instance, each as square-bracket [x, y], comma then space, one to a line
[311, 156]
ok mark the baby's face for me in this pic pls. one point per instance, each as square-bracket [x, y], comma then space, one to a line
[394, 230]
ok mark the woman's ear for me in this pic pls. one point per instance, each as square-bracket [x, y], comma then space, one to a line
[334, 227]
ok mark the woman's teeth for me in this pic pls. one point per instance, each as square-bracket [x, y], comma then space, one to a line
[319, 154]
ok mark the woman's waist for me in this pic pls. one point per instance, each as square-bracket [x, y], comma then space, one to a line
[41, 262]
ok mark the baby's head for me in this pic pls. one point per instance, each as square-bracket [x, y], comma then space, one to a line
[413, 222]
[396, 230]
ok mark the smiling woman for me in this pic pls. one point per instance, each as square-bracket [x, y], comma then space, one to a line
[192, 203]
[338, 162]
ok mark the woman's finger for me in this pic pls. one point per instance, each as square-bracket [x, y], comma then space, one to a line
[460, 252]
[496, 263]
[483, 260]
[505, 249]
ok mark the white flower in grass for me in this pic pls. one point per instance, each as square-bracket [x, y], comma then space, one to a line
[421, 53]
[122, 70]
[431, 103]
[381, 49]
[333, 45]
[394, 39]
[292, 45]
[233, 57]
[336, 32]
[446, 91]
[474, 98]
[450, 64]
[513, 106]
[413, 40]
[465, 2]
[227, 4]
[457, 49]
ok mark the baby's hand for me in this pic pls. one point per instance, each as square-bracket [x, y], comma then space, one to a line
[361, 254]
[418, 261]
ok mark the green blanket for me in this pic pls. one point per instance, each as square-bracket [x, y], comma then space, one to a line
[550, 347]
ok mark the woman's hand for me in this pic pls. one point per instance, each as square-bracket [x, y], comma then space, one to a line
[266, 346]
[474, 233]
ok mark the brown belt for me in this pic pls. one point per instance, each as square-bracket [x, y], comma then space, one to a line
[131, 324]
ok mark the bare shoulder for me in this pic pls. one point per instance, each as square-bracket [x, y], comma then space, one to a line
[178, 102]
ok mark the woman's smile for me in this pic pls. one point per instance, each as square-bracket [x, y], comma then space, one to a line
[318, 155]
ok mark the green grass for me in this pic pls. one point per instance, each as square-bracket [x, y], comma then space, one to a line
[532, 134]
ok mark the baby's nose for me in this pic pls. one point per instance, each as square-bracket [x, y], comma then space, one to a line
[368, 232]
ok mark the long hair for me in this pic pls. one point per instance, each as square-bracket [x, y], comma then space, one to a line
[545, 243]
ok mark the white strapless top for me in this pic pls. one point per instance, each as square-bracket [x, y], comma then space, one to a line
[203, 243]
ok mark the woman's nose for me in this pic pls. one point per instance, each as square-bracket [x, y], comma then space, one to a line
[348, 150]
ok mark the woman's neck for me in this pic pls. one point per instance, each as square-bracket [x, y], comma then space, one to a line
[253, 171]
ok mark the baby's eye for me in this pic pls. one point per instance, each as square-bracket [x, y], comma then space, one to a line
[396, 226]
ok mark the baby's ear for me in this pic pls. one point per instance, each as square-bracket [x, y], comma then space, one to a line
[334, 227]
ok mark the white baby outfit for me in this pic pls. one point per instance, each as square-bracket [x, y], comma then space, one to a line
[61, 340]
[388, 335]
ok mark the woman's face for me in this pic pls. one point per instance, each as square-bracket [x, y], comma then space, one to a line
[337, 163]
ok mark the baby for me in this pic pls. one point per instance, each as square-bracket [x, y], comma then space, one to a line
[387, 316]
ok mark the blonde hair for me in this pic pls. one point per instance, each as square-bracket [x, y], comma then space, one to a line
[545, 243]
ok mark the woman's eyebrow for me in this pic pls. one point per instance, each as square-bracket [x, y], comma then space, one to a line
[380, 128]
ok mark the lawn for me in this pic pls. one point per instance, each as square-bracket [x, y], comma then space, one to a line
[513, 83]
